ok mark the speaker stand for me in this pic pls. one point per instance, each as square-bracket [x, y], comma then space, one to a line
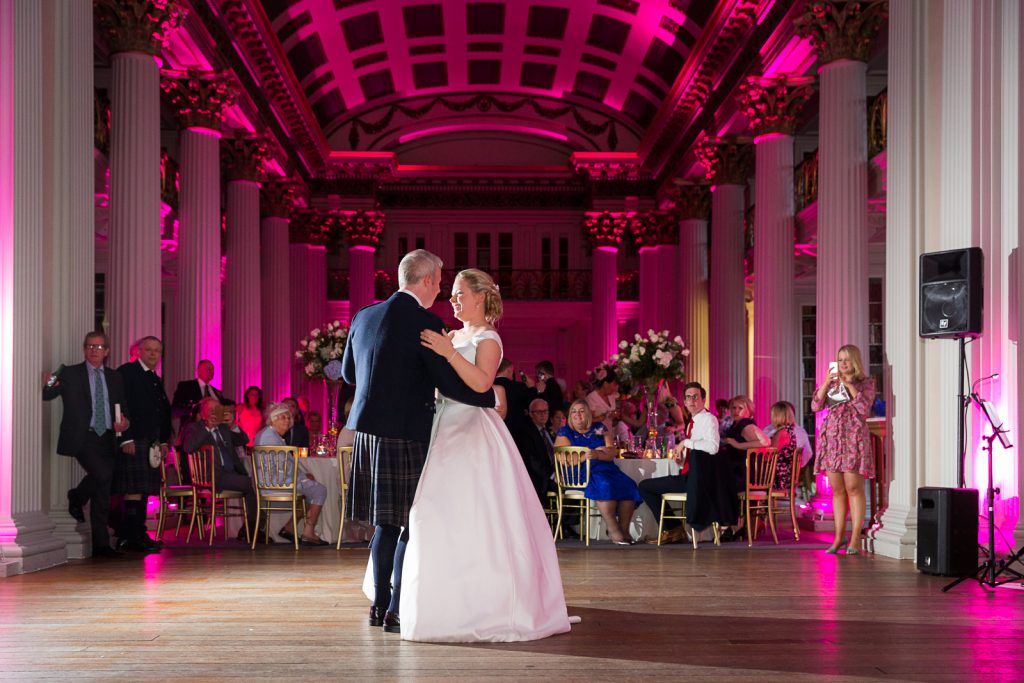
[989, 571]
[963, 401]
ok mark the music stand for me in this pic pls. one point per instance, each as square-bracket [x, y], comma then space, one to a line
[989, 570]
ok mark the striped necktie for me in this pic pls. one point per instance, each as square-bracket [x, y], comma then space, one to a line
[99, 403]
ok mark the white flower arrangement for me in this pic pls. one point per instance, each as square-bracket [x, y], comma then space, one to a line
[652, 359]
[320, 348]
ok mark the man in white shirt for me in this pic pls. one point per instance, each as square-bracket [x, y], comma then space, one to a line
[701, 435]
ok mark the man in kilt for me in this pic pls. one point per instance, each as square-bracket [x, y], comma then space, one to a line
[151, 424]
[392, 414]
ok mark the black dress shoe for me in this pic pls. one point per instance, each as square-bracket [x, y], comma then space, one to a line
[105, 551]
[151, 542]
[391, 623]
[75, 509]
[377, 616]
[287, 535]
[313, 542]
[135, 546]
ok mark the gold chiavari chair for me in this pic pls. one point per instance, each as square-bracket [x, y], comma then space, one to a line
[551, 511]
[666, 508]
[172, 490]
[756, 498]
[344, 465]
[788, 496]
[275, 470]
[204, 475]
[572, 474]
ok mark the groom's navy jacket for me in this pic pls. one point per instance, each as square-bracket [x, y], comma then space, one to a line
[395, 375]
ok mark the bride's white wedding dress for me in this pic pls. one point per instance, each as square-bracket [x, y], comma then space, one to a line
[481, 562]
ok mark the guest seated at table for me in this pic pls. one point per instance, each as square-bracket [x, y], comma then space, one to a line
[743, 434]
[602, 400]
[279, 421]
[802, 439]
[580, 390]
[558, 420]
[298, 435]
[724, 417]
[700, 439]
[629, 422]
[315, 424]
[615, 493]
[250, 413]
[784, 439]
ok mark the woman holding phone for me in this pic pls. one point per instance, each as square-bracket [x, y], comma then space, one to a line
[844, 443]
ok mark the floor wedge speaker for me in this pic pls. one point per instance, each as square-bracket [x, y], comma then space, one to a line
[951, 293]
[947, 531]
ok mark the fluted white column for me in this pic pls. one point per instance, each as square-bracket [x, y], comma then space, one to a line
[776, 324]
[133, 280]
[668, 303]
[242, 290]
[198, 312]
[692, 274]
[26, 539]
[842, 283]
[727, 329]
[361, 273]
[651, 288]
[308, 273]
[71, 246]
[604, 294]
[279, 341]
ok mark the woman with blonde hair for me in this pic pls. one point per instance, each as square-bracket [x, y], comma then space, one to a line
[784, 440]
[844, 443]
[741, 435]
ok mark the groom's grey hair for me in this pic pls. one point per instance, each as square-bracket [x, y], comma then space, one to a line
[417, 265]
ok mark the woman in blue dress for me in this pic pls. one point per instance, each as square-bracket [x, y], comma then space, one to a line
[615, 493]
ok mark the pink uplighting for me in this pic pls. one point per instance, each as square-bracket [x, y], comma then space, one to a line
[476, 127]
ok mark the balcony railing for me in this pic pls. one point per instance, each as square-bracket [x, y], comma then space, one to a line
[515, 285]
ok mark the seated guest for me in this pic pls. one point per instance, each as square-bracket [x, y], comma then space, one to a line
[580, 390]
[724, 417]
[743, 434]
[279, 421]
[700, 441]
[298, 435]
[190, 391]
[314, 423]
[535, 446]
[250, 413]
[615, 493]
[674, 418]
[802, 440]
[601, 400]
[629, 423]
[784, 439]
[558, 420]
[230, 475]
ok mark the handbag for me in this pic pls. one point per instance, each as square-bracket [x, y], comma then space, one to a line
[156, 456]
[837, 394]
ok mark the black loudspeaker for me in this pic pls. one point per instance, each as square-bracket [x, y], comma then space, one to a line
[951, 293]
[947, 531]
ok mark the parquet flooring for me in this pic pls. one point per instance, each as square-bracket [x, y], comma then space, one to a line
[767, 613]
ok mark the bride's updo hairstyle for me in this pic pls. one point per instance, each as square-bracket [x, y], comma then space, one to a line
[480, 282]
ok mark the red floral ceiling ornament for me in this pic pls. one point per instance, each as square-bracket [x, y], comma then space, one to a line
[774, 104]
[200, 98]
[606, 228]
[137, 25]
[842, 30]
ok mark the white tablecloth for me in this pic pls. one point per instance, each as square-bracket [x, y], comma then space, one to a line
[644, 523]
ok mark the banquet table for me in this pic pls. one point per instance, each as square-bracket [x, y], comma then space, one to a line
[643, 524]
[325, 471]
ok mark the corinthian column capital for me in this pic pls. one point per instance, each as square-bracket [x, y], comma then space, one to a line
[605, 228]
[362, 228]
[200, 98]
[312, 226]
[692, 200]
[773, 105]
[279, 198]
[243, 157]
[137, 25]
[841, 29]
[727, 160]
[654, 228]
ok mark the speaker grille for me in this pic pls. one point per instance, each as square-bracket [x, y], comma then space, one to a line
[945, 306]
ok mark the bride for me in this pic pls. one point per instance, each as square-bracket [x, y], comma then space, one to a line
[481, 562]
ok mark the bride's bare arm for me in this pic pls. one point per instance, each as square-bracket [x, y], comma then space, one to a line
[478, 377]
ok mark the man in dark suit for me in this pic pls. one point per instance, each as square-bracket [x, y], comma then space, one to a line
[548, 387]
[211, 429]
[392, 411]
[536, 447]
[92, 395]
[517, 397]
[151, 424]
[190, 391]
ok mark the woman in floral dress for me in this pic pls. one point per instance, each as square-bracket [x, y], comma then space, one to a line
[844, 443]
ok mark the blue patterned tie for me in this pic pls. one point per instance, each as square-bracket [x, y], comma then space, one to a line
[99, 402]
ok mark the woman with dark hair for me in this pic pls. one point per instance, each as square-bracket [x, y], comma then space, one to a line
[615, 493]
[742, 434]
[602, 400]
[844, 443]
[250, 413]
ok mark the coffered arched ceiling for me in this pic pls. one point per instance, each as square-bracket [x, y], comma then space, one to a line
[614, 60]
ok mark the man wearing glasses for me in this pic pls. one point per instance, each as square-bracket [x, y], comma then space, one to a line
[701, 435]
[90, 431]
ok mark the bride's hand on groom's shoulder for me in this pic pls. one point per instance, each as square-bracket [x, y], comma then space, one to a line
[438, 343]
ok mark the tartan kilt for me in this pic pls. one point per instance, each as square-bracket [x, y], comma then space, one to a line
[132, 473]
[385, 473]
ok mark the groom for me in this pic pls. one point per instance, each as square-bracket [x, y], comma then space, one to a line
[392, 414]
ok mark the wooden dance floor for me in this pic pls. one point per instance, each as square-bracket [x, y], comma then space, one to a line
[767, 613]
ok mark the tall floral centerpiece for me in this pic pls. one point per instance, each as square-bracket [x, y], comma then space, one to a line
[320, 354]
[649, 362]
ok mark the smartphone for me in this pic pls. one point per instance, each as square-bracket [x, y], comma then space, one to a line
[522, 376]
[833, 368]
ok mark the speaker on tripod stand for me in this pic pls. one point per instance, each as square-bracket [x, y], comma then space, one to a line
[951, 294]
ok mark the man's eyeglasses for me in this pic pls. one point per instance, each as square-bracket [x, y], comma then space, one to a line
[97, 347]
[539, 411]
[691, 397]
